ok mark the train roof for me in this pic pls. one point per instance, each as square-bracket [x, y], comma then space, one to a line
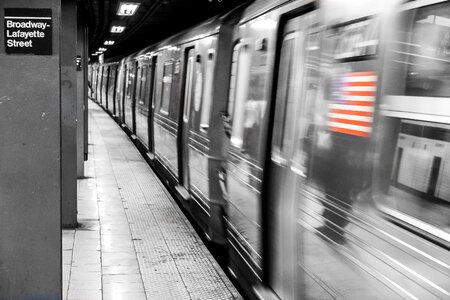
[333, 11]
[206, 28]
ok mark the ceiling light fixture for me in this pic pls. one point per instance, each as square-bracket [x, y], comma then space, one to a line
[101, 49]
[127, 8]
[109, 43]
[117, 29]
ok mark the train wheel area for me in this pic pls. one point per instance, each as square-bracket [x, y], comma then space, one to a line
[133, 242]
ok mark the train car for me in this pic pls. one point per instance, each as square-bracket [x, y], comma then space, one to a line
[337, 162]
[190, 96]
[259, 39]
[167, 93]
[311, 137]
[301, 161]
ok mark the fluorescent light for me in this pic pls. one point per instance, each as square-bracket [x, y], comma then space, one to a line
[117, 29]
[94, 54]
[127, 8]
[101, 49]
[109, 43]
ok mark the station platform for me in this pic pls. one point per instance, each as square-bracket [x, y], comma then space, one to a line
[133, 241]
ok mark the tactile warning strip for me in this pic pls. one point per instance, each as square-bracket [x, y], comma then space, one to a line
[173, 261]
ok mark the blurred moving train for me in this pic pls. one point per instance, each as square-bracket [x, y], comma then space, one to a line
[310, 137]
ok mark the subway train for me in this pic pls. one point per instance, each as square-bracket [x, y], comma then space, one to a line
[310, 138]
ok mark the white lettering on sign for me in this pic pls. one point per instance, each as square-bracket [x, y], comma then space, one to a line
[28, 31]
[14, 43]
[27, 35]
[29, 24]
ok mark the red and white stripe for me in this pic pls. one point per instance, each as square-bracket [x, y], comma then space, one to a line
[352, 112]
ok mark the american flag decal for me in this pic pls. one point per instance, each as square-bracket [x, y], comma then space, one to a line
[352, 104]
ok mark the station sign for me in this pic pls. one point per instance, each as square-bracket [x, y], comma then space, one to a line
[28, 31]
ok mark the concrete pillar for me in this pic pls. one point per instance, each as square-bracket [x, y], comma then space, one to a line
[81, 87]
[69, 113]
[30, 165]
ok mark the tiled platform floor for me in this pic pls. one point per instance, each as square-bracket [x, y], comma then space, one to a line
[133, 241]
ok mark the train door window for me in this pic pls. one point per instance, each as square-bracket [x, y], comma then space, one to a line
[188, 83]
[130, 82]
[198, 92]
[119, 85]
[207, 91]
[148, 85]
[233, 77]
[304, 127]
[286, 97]
[140, 80]
[112, 86]
[99, 83]
[166, 87]
[255, 103]
[126, 81]
[240, 77]
[105, 85]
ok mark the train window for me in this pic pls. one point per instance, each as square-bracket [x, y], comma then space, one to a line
[207, 91]
[303, 142]
[246, 99]
[233, 75]
[166, 87]
[412, 182]
[129, 82]
[421, 54]
[148, 86]
[198, 93]
[140, 84]
[285, 95]
[198, 85]
[112, 86]
[357, 39]
[120, 90]
[99, 83]
[188, 84]
[238, 93]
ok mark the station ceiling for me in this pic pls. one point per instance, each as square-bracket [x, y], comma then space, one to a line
[153, 21]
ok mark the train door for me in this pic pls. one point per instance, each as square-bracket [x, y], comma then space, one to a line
[130, 85]
[189, 67]
[90, 80]
[142, 102]
[119, 91]
[106, 84]
[99, 84]
[295, 89]
[112, 89]
[124, 93]
[151, 98]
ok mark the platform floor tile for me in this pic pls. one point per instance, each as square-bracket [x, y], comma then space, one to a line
[133, 242]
